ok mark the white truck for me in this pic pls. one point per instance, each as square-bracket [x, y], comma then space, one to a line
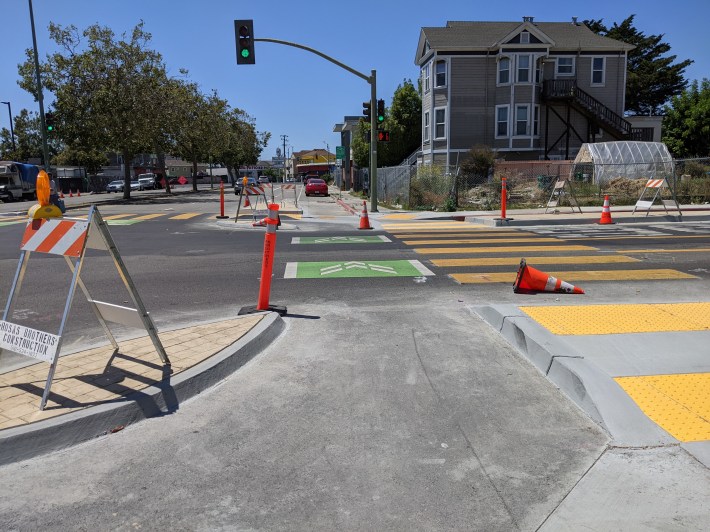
[18, 181]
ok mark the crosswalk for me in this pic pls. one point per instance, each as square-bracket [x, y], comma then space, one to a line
[472, 254]
[134, 218]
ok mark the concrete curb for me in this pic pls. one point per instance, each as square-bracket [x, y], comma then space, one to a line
[22, 443]
[594, 391]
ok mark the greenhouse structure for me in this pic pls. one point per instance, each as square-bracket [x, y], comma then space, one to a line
[602, 162]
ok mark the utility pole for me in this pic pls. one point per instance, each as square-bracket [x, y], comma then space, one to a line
[283, 138]
[40, 98]
[12, 131]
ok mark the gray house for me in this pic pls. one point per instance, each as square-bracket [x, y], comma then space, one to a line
[530, 90]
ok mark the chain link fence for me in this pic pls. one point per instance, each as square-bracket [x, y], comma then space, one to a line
[530, 184]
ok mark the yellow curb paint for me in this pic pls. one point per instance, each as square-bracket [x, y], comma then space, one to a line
[481, 241]
[679, 404]
[586, 275]
[621, 319]
[502, 249]
[515, 261]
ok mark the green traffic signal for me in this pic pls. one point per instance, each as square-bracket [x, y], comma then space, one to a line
[245, 53]
[380, 111]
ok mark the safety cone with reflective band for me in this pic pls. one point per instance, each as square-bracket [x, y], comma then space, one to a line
[61, 195]
[606, 212]
[260, 223]
[246, 200]
[531, 280]
[70, 194]
[364, 220]
[78, 193]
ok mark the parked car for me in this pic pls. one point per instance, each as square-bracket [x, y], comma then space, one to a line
[114, 186]
[264, 179]
[316, 187]
[136, 185]
[251, 182]
[148, 181]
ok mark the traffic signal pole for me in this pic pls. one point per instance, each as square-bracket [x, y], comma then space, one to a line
[372, 80]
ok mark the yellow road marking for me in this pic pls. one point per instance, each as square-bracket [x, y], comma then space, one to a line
[117, 216]
[429, 226]
[515, 261]
[185, 216]
[679, 404]
[700, 250]
[402, 216]
[588, 275]
[620, 319]
[471, 233]
[502, 249]
[148, 216]
[480, 241]
[642, 237]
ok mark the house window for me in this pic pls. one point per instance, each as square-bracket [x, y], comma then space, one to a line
[425, 77]
[525, 37]
[501, 121]
[440, 73]
[598, 70]
[521, 121]
[440, 123]
[538, 70]
[565, 66]
[425, 130]
[536, 121]
[504, 71]
[523, 69]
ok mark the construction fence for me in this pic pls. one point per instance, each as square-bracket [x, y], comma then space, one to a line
[531, 183]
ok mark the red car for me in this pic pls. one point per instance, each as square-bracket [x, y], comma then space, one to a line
[316, 187]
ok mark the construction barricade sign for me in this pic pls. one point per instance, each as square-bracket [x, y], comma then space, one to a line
[29, 342]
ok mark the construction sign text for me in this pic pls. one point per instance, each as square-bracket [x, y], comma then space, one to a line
[27, 341]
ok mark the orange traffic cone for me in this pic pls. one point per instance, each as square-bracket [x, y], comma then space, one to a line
[61, 195]
[260, 223]
[246, 199]
[78, 193]
[606, 212]
[70, 194]
[364, 220]
[531, 280]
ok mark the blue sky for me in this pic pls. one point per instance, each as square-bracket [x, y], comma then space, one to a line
[293, 92]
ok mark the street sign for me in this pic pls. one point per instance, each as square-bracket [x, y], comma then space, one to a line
[340, 152]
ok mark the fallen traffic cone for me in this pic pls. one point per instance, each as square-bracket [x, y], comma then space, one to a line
[606, 212]
[260, 223]
[364, 220]
[531, 280]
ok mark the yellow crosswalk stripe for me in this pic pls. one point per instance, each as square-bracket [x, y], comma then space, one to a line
[117, 216]
[501, 249]
[448, 234]
[185, 216]
[413, 226]
[515, 261]
[148, 216]
[481, 241]
[696, 250]
[588, 275]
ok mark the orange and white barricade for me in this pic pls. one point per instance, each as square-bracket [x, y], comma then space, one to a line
[70, 238]
[658, 186]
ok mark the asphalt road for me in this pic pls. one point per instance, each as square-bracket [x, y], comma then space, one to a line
[386, 404]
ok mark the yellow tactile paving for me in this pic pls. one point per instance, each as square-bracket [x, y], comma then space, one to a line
[501, 249]
[621, 319]
[679, 404]
[515, 261]
[582, 275]
[79, 381]
[490, 240]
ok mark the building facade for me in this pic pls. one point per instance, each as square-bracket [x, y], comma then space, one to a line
[529, 90]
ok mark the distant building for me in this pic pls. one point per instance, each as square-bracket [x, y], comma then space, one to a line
[313, 162]
[529, 90]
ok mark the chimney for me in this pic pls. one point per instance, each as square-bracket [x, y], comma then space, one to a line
[528, 19]
[574, 21]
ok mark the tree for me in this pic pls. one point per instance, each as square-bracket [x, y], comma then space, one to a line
[652, 77]
[105, 90]
[244, 143]
[686, 126]
[28, 139]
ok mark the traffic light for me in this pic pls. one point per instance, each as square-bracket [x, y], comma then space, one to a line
[49, 121]
[367, 111]
[380, 111]
[244, 30]
[383, 136]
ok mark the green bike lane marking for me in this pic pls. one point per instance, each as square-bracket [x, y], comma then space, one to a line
[339, 239]
[345, 269]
